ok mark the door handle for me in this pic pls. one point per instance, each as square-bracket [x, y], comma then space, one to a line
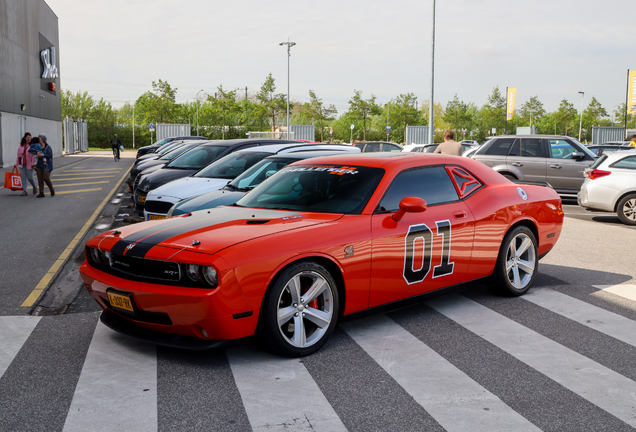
[459, 214]
[555, 166]
[517, 164]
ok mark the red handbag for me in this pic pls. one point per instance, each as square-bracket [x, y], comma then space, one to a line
[12, 180]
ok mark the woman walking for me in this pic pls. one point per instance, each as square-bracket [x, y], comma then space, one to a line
[25, 164]
[44, 166]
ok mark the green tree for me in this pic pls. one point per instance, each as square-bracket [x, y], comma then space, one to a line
[619, 117]
[402, 113]
[273, 103]
[319, 112]
[566, 116]
[592, 116]
[363, 109]
[493, 113]
[530, 111]
[158, 105]
[439, 124]
[224, 105]
[457, 115]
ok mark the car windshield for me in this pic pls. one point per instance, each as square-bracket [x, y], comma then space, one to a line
[176, 152]
[232, 165]
[168, 147]
[198, 158]
[316, 188]
[163, 141]
[259, 172]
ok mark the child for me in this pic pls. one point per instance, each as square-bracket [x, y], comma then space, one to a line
[34, 149]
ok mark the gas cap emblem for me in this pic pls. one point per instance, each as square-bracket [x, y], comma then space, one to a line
[522, 193]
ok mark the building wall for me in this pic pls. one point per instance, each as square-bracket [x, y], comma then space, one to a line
[26, 28]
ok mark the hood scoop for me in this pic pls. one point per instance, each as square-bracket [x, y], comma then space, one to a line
[256, 221]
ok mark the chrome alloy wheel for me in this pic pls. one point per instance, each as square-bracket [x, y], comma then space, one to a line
[629, 209]
[305, 309]
[521, 261]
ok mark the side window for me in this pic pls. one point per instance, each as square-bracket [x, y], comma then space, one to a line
[373, 147]
[628, 163]
[501, 147]
[418, 149]
[433, 185]
[391, 148]
[532, 147]
[360, 146]
[465, 182]
[560, 149]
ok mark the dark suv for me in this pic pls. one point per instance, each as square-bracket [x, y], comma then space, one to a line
[558, 160]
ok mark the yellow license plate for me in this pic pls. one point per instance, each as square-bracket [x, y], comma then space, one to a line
[155, 217]
[120, 301]
[141, 199]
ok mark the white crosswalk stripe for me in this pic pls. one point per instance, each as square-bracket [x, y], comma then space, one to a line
[117, 389]
[604, 321]
[456, 401]
[267, 385]
[120, 388]
[594, 382]
[14, 331]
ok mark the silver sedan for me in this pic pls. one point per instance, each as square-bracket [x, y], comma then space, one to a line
[610, 185]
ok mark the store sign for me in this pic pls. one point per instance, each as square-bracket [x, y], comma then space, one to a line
[47, 56]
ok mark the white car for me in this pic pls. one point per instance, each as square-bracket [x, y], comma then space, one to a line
[215, 176]
[610, 185]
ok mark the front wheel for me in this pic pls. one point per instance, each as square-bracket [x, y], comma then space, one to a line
[626, 210]
[517, 263]
[301, 310]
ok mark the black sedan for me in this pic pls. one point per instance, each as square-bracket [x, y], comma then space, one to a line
[154, 147]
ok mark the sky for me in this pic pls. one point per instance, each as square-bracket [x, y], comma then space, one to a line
[552, 49]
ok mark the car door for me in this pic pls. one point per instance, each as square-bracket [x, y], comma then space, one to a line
[527, 156]
[423, 251]
[564, 173]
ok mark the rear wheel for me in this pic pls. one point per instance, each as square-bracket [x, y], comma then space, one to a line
[517, 263]
[301, 310]
[626, 210]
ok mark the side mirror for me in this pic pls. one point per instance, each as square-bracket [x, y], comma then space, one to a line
[409, 205]
[578, 155]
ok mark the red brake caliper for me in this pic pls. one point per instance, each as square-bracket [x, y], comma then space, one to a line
[313, 304]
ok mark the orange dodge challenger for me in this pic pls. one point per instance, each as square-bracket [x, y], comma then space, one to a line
[321, 239]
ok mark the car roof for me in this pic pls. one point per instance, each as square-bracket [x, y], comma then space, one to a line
[255, 142]
[619, 155]
[300, 155]
[295, 146]
[398, 161]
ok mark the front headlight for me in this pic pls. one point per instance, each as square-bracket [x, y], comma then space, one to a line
[209, 274]
[95, 255]
[193, 272]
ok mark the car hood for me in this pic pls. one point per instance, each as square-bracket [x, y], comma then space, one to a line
[158, 163]
[207, 201]
[188, 187]
[205, 231]
[163, 176]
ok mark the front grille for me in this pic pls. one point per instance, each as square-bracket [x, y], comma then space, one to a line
[145, 268]
[158, 206]
[137, 179]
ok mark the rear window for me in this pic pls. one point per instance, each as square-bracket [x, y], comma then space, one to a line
[598, 161]
[627, 163]
[499, 147]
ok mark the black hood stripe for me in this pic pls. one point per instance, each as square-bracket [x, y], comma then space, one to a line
[147, 238]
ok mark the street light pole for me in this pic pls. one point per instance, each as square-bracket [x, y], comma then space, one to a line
[289, 45]
[581, 121]
[430, 114]
[197, 98]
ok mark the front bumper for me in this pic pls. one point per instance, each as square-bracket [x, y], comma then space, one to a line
[208, 315]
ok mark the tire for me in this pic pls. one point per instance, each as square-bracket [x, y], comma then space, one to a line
[626, 210]
[287, 308]
[514, 277]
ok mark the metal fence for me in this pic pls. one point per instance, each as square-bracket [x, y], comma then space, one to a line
[75, 135]
[303, 132]
[416, 135]
[527, 130]
[604, 134]
[165, 130]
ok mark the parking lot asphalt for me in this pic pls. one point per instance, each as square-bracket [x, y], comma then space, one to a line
[39, 235]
